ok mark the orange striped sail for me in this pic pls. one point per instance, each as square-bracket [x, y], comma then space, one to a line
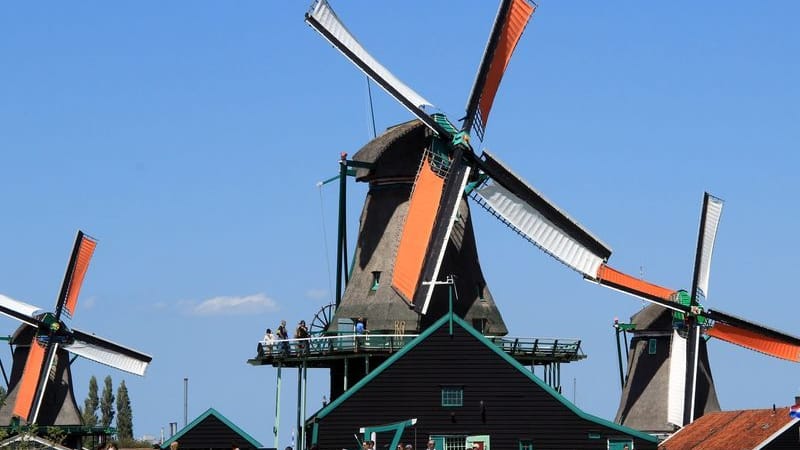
[632, 285]
[754, 341]
[86, 247]
[30, 380]
[417, 230]
[518, 15]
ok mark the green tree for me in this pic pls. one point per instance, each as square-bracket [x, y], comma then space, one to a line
[124, 414]
[107, 403]
[90, 405]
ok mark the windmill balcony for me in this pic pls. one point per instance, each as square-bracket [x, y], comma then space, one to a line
[320, 350]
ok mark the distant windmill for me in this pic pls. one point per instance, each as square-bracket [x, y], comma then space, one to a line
[40, 389]
[674, 383]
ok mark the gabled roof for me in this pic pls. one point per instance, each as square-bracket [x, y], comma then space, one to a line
[24, 441]
[724, 430]
[445, 321]
[211, 412]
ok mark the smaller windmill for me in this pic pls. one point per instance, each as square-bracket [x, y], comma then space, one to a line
[40, 389]
[689, 320]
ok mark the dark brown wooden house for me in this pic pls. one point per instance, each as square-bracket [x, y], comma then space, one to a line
[212, 431]
[461, 387]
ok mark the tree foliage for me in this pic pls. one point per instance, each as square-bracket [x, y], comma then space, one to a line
[107, 403]
[124, 413]
[91, 403]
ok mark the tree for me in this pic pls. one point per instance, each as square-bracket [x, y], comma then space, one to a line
[90, 405]
[124, 414]
[107, 403]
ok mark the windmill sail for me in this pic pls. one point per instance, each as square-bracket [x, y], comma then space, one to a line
[538, 220]
[323, 19]
[445, 219]
[712, 210]
[417, 229]
[109, 353]
[76, 269]
[677, 379]
[509, 24]
[19, 310]
[34, 365]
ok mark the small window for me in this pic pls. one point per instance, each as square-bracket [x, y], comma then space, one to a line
[525, 445]
[452, 396]
[651, 347]
[376, 280]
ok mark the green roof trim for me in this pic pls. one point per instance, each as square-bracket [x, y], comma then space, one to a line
[221, 418]
[461, 323]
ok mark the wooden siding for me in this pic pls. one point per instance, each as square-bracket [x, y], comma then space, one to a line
[212, 434]
[499, 400]
[788, 440]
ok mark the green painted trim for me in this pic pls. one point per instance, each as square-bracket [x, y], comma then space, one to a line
[315, 434]
[461, 323]
[223, 419]
[547, 388]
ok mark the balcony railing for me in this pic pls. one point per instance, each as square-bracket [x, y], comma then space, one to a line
[524, 349]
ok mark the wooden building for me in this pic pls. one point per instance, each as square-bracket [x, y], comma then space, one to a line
[461, 387]
[211, 431]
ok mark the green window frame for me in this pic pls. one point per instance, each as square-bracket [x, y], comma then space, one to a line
[452, 396]
[525, 444]
[651, 346]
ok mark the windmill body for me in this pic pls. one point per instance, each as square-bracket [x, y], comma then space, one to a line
[652, 375]
[394, 158]
[59, 407]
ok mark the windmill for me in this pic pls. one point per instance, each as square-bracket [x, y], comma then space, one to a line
[448, 169]
[432, 224]
[690, 386]
[40, 388]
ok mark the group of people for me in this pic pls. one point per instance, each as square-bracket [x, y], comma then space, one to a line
[281, 337]
[370, 445]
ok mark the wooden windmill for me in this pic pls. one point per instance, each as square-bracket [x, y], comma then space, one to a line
[669, 379]
[415, 227]
[40, 389]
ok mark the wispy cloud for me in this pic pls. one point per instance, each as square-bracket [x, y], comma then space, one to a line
[231, 305]
[317, 294]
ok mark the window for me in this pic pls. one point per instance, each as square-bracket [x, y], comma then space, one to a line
[525, 444]
[452, 396]
[651, 347]
[376, 280]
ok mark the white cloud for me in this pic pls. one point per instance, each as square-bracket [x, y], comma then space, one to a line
[317, 294]
[229, 306]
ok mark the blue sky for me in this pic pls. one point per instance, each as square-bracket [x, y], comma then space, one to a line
[188, 137]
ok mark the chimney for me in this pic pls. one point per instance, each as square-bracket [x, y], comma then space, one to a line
[797, 399]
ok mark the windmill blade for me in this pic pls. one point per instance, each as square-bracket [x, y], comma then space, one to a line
[709, 222]
[109, 353]
[30, 391]
[539, 220]
[19, 310]
[445, 218]
[78, 264]
[323, 19]
[417, 229]
[676, 388]
[627, 284]
[512, 17]
[753, 336]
